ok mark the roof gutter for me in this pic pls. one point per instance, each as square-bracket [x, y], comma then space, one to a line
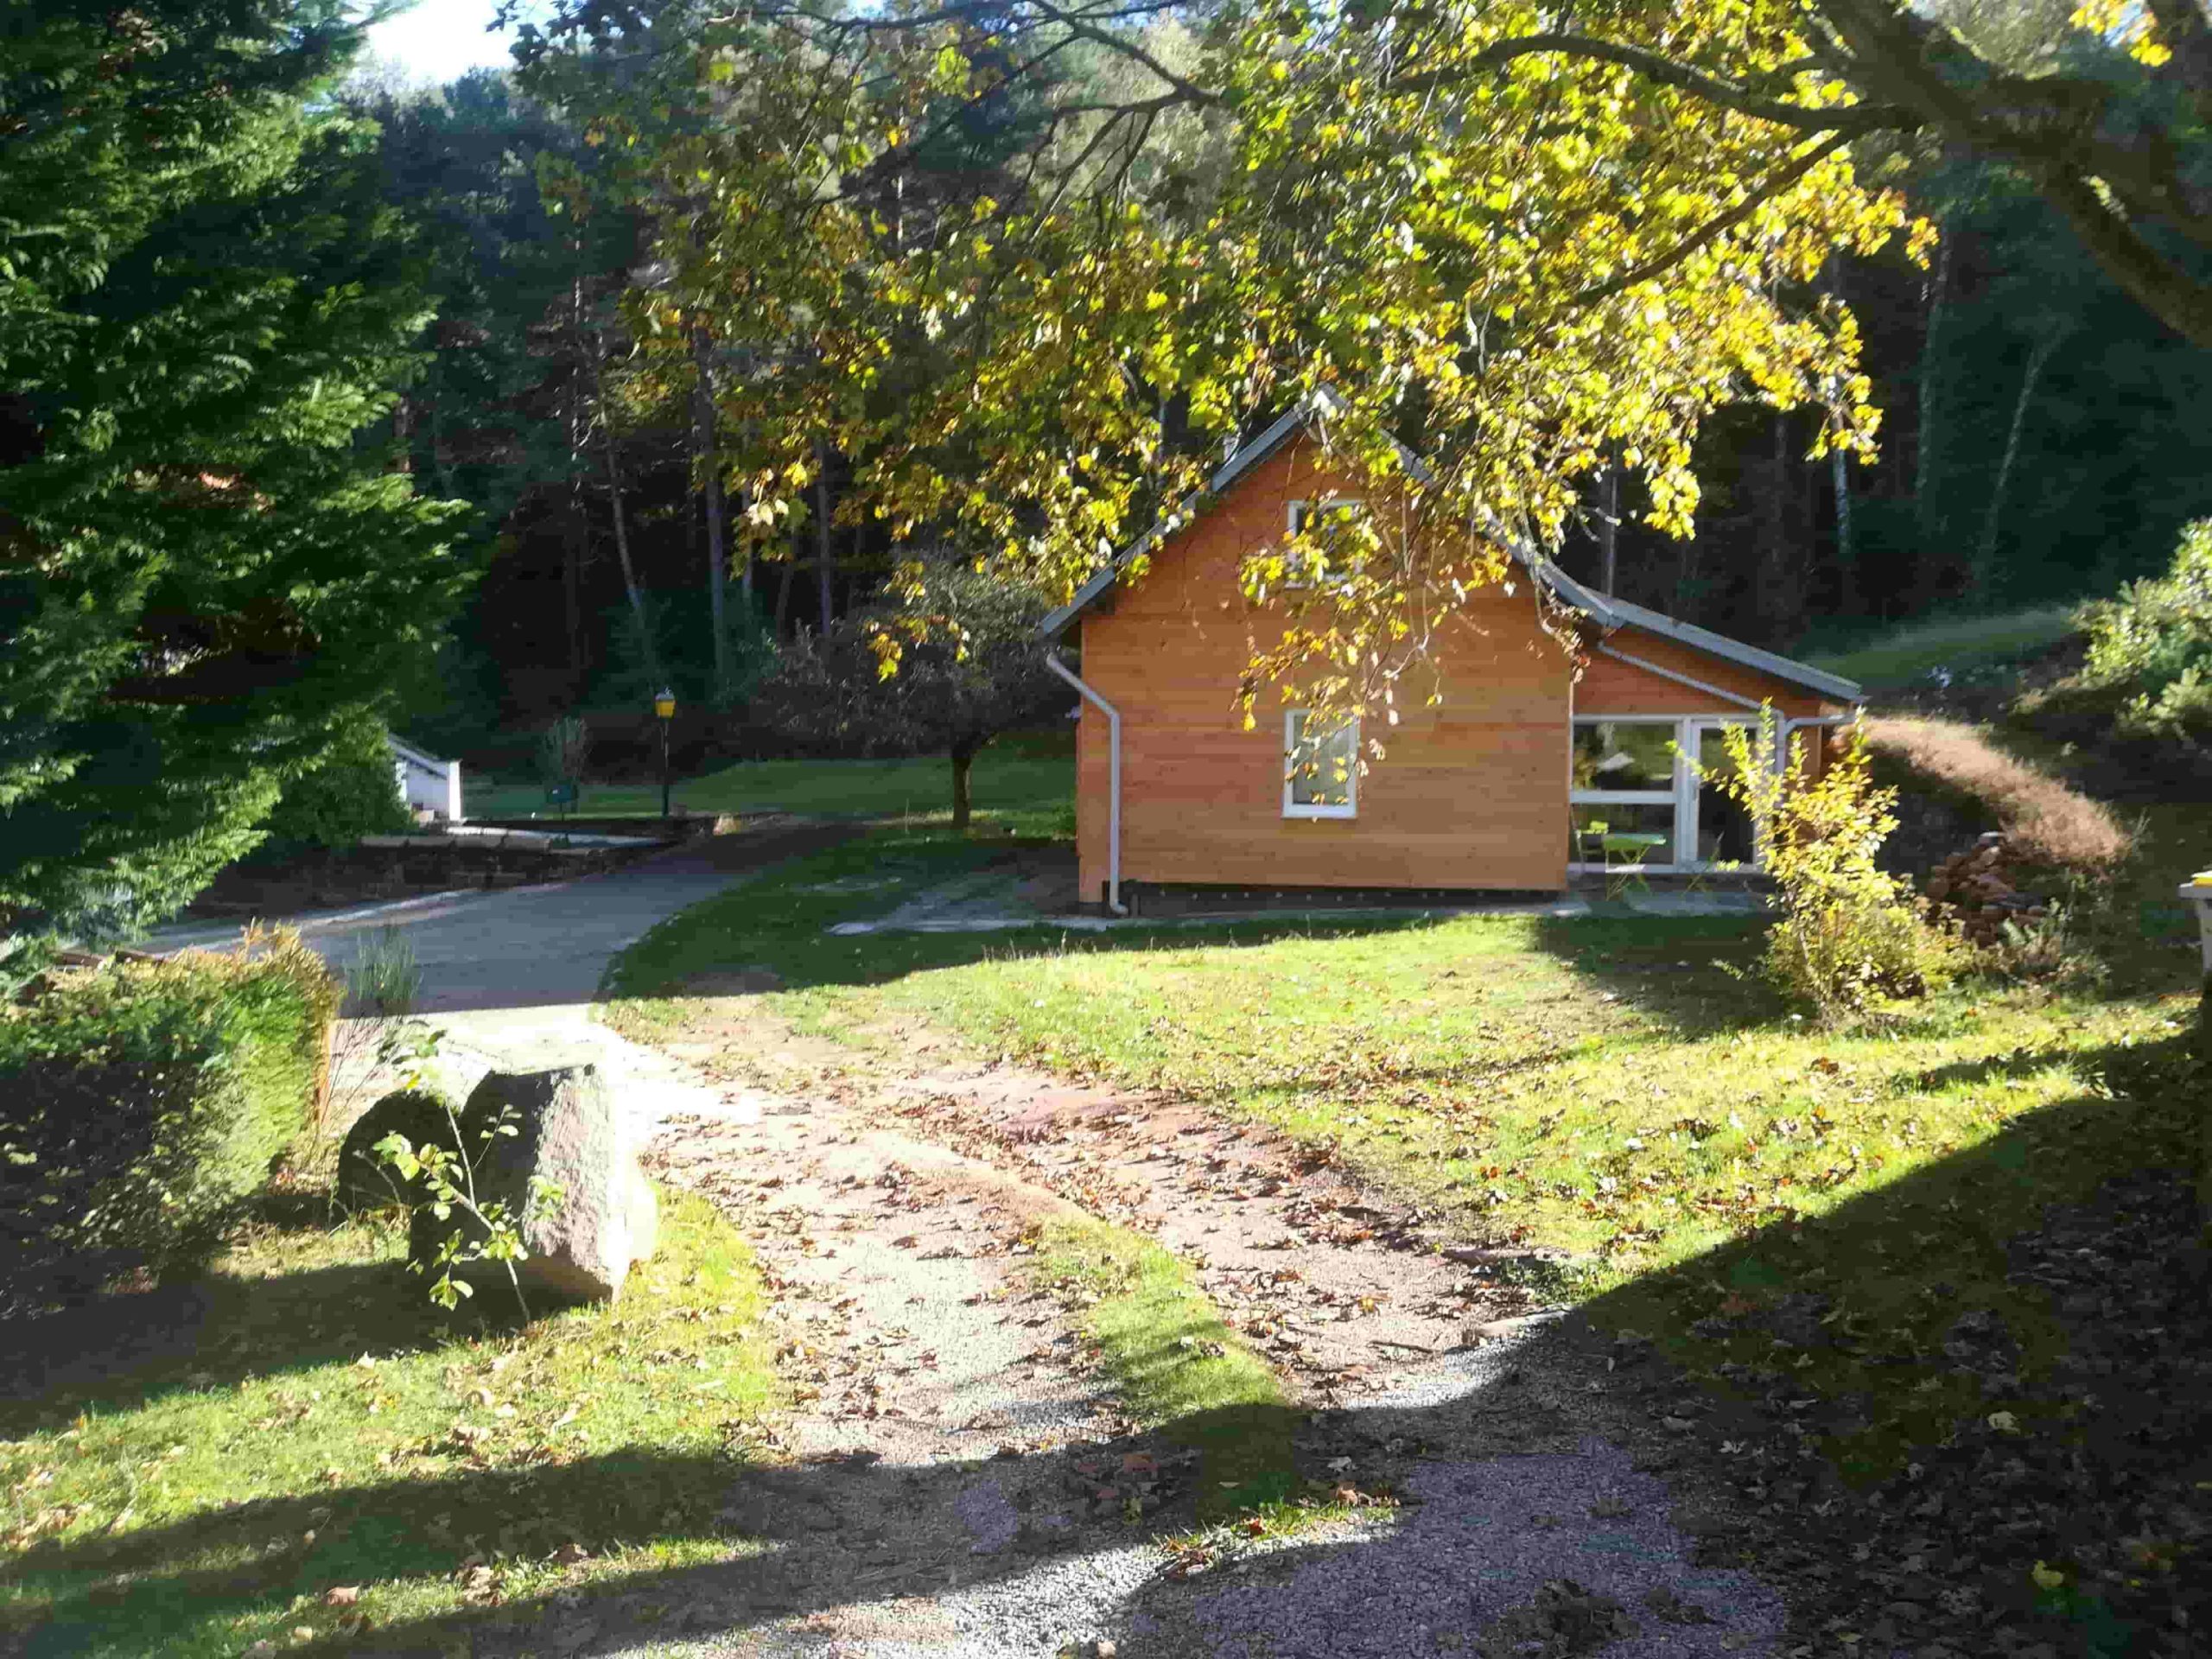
[1114, 904]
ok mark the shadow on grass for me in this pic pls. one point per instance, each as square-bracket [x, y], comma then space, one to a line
[1813, 1379]
[121, 1351]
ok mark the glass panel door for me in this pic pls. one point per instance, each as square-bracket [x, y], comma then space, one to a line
[1719, 830]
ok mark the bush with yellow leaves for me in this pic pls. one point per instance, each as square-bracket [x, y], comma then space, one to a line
[1851, 940]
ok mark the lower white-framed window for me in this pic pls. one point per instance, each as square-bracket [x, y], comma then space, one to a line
[1637, 801]
[1320, 766]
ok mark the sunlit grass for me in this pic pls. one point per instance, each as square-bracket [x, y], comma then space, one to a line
[329, 1454]
[1173, 1361]
[1623, 1089]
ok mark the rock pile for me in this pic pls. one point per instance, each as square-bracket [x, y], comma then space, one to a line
[1975, 891]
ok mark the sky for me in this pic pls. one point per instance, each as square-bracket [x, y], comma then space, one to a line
[441, 39]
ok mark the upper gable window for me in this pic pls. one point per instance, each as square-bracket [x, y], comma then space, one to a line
[1332, 521]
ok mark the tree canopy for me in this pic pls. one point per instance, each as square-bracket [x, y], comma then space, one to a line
[1029, 265]
[973, 667]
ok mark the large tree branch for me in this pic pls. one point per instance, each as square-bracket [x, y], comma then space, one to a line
[2185, 30]
[1853, 119]
[2160, 285]
[2045, 125]
[1719, 225]
[1134, 50]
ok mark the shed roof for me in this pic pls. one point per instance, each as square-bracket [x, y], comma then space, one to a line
[1605, 609]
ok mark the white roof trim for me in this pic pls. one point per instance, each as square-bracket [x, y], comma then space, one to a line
[1603, 609]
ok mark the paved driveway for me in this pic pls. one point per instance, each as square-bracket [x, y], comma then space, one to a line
[536, 947]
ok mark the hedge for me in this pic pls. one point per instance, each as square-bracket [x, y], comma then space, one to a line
[141, 1103]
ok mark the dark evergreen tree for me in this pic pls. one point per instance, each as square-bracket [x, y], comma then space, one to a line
[207, 580]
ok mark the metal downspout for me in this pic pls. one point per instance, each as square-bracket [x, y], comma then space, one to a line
[1114, 904]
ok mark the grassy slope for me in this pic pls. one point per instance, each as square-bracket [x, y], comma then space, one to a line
[1616, 1087]
[1008, 786]
[1960, 646]
[327, 1431]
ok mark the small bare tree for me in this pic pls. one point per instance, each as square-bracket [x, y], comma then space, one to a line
[941, 670]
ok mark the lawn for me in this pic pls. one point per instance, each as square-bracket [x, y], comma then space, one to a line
[1012, 787]
[1618, 1088]
[323, 1453]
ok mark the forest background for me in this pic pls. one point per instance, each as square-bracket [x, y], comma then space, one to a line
[2043, 438]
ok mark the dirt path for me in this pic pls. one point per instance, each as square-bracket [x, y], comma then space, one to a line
[1349, 1295]
[941, 1403]
[957, 1481]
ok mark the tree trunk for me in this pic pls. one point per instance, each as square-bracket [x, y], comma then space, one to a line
[1839, 462]
[1779, 593]
[1840, 468]
[1923, 465]
[2038, 359]
[702, 407]
[572, 573]
[1609, 528]
[574, 532]
[825, 568]
[647, 646]
[964, 760]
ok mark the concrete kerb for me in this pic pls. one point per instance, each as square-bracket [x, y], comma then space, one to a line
[1571, 908]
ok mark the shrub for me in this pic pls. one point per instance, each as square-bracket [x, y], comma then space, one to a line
[563, 749]
[2044, 819]
[352, 794]
[2150, 649]
[141, 1103]
[1852, 938]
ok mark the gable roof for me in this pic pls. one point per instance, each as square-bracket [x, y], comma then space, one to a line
[1605, 609]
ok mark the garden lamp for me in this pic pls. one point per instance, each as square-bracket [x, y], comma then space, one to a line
[664, 707]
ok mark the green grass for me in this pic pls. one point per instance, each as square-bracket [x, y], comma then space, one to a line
[1173, 1362]
[1621, 1088]
[1964, 646]
[324, 1430]
[1011, 787]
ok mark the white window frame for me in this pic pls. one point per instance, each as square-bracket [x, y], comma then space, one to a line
[1682, 796]
[1293, 510]
[1292, 808]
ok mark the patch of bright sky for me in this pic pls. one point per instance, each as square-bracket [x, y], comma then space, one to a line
[443, 40]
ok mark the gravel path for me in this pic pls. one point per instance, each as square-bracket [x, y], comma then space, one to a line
[1484, 1541]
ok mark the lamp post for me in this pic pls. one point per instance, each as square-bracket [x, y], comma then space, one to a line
[664, 708]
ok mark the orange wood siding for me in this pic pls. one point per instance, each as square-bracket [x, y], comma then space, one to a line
[1470, 795]
[1609, 686]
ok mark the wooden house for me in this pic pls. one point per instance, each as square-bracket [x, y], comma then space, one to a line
[1555, 750]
